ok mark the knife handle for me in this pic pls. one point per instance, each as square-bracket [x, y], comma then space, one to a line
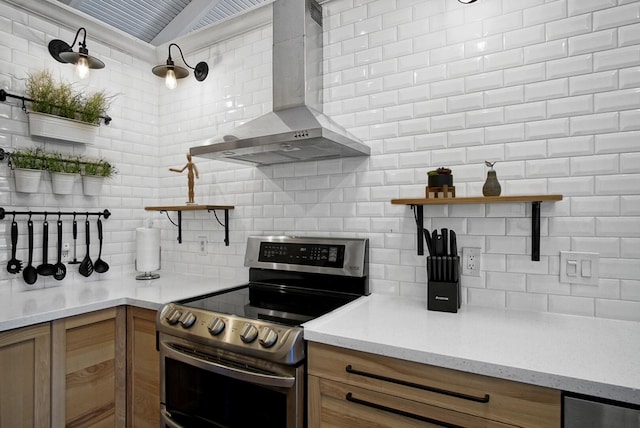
[453, 243]
[445, 238]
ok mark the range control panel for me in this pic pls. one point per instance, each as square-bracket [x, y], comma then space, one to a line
[302, 254]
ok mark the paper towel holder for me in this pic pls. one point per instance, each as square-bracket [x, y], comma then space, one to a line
[149, 275]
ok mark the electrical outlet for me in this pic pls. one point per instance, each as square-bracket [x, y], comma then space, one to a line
[202, 248]
[471, 261]
[65, 252]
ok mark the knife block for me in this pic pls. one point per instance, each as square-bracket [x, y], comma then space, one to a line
[443, 291]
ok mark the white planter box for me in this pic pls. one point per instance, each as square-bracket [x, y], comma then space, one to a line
[62, 182]
[59, 128]
[92, 185]
[27, 180]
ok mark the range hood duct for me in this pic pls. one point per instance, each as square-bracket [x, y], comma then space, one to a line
[296, 130]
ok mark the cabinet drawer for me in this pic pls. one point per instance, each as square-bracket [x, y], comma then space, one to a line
[500, 400]
[344, 406]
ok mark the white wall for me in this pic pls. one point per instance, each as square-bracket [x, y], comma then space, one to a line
[549, 89]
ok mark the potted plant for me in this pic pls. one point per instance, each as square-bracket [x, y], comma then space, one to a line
[27, 165]
[64, 172]
[440, 177]
[58, 112]
[94, 174]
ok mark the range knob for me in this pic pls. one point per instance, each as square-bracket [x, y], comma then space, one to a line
[248, 333]
[187, 319]
[216, 327]
[268, 337]
[173, 317]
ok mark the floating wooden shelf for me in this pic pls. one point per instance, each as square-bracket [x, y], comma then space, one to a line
[209, 208]
[418, 204]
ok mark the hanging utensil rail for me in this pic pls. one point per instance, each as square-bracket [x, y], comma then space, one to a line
[106, 214]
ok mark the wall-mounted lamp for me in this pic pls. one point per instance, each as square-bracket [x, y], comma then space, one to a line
[170, 72]
[64, 53]
[466, 1]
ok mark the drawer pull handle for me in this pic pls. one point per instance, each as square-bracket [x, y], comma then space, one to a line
[484, 399]
[351, 398]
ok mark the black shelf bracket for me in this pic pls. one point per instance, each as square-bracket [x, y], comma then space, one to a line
[535, 229]
[179, 223]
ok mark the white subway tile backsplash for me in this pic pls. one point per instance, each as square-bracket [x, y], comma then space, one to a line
[583, 306]
[431, 74]
[503, 60]
[573, 26]
[572, 66]
[525, 112]
[504, 133]
[503, 23]
[467, 137]
[594, 165]
[572, 106]
[629, 77]
[448, 122]
[594, 124]
[630, 248]
[618, 309]
[465, 102]
[617, 143]
[431, 108]
[484, 81]
[545, 51]
[629, 35]
[447, 54]
[483, 46]
[545, 13]
[547, 129]
[616, 16]
[593, 42]
[506, 281]
[592, 83]
[524, 37]
[620, 184]
[485, 117]
[527, 74]
[558, 167]
[577, 7]
[504, 96]
[465, 67]
[629, 163]
[618, 100]
[572, 146]
[616, 58]
[486, 298]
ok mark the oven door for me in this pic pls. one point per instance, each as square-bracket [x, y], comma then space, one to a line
[202, 386]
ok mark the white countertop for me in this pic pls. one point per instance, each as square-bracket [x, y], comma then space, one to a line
[593, 356]
[80, 295]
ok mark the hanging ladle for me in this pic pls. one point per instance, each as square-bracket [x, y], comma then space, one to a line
[46, 268]
[100, 265]
[86, 267]
[61, 269]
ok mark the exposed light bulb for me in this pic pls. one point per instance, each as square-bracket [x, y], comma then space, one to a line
[170, 79]
[82, 67]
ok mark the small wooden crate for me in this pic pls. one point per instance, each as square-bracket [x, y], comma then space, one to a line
[446, 191]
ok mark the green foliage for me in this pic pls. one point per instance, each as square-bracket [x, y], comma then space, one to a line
[57, 162]
[33, 158]
[99, 168]
[60, 99]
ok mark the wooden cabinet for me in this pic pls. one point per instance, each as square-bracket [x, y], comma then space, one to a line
[351, 389]
[143, 369]
[88, 369]
[25, 370]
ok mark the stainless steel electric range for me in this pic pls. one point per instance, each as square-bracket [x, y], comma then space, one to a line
[236, 358]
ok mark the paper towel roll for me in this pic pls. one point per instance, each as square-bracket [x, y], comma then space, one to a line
[147, 249]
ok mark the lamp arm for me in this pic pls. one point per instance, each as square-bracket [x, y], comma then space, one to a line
[183, 60]
[83, 43]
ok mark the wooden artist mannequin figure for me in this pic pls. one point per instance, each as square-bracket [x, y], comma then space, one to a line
[192, 171]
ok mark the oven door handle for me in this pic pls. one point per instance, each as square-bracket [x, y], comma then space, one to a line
[232, 372]
[166, 419]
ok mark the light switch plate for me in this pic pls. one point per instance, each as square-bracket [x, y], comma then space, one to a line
[579, 268]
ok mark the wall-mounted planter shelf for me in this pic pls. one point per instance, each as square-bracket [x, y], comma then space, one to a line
[209, 208]
[419, 203]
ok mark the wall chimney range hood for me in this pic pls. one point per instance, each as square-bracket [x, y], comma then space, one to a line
[296, 130]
